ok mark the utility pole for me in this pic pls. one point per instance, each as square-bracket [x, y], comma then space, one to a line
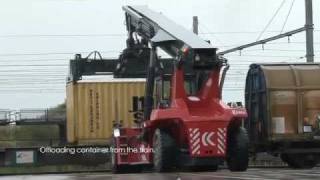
[195, 25]
[309, 31]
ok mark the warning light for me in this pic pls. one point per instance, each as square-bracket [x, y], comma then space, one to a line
[185, 51]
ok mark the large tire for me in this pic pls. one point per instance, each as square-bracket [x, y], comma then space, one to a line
[300, 161]
[237, 150]
[164, 151]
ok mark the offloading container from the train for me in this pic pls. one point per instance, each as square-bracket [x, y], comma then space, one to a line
[192, 126]
[282, 101]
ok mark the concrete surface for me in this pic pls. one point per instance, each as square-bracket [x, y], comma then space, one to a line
[251, 174]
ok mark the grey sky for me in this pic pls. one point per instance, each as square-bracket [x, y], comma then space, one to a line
[234, 22]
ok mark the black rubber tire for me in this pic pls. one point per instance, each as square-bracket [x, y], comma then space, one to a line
[164, 154]
[238, 150]
[300, 161]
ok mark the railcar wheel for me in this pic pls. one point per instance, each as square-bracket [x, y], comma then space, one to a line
[300, 161]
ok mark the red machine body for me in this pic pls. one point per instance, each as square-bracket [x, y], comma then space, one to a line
[129, 150]
[201, 122]
[193, 127]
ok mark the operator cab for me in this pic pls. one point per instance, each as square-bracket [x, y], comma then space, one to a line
[162, 89]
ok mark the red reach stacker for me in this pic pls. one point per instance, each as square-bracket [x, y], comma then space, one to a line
[181, 117]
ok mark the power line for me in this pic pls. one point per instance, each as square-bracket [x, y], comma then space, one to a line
[275, 43]
[243, 32]
[37, 85]
[59, 35]
[264, 41]
[33, 65]
[32, 73]
[287, 17]
[211, 34]
[120, 35]
[19, 73]
[30, 92]
[40, 70]
[40, 86]
[35, 72]
[35, 78]
[256, 55]
[284, 50]
[31, 88]
[31, 83]
[31, 77]
[47, 60]
[53, 53]
[235, 32]
[270, 21]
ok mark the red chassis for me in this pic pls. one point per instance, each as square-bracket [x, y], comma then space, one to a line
[199, 124]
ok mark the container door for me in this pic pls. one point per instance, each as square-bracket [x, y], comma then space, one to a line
[284, 116]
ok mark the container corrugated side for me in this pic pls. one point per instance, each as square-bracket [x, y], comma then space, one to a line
[292, 91]
[94, 106]
[282, 99]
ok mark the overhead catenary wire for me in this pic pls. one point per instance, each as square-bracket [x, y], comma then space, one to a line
[60, 35]
[33, 65]
[53, 53]
[72, 36]
[262, 42]
[47, 82]
[122, 35]
[232, 88]
[243, 32]
[33, 71]
[287, 17]
[110, 51]
[213, 35]
[257, 55]
[270, 21]
[276, 43]
[270, 49]
[5, 92]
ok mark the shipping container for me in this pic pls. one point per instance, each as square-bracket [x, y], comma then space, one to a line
[94, 105]
[283, 104]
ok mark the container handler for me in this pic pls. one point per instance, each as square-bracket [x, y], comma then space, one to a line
[181, 121]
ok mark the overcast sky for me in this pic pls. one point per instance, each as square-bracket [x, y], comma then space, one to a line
[49, 32]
